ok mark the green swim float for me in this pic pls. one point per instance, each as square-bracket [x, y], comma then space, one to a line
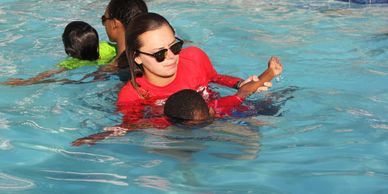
[107, 54]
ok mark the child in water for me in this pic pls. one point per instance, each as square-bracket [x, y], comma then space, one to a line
[189, 108]
[82, 45]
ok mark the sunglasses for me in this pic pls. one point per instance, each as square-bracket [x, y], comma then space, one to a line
[104, 18]
[160, 56]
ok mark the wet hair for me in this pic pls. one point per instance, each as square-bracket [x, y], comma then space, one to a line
[81, 41]
[187, 106]
[141, 24]
[126, 10]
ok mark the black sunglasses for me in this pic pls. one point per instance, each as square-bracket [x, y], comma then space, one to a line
[104, 18]
[160, 56]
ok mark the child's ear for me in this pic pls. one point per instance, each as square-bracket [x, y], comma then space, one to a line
[116, 24]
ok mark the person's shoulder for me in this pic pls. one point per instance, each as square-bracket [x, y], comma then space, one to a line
[194, 54]
[192, 50]
[127, 94]
[127, 89]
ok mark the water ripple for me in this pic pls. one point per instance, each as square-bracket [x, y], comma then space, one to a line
[152, 163]
[4, 61]
[77, 155]
[4, 123]
[380, 126]
[88, 177]
[10, 39]
[340, 173]
[35, 125]
[5, 144]
[8, 182]
[88, 156]
[7, 70]
[378, 72]
[359, 112]
[154, 182]
[30, 100]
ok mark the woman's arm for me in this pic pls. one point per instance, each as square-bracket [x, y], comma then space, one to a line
[227, 80]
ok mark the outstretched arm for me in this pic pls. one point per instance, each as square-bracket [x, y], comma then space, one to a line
[226, 104]
[268, 84]
[274, 68]
[92, 139]
[34, 80]
[159, 123]
[101, 73]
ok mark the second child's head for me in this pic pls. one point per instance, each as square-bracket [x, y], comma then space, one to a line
[125, 10]
[187, 107]
[81, 41]
[152, 49]
[119, 13]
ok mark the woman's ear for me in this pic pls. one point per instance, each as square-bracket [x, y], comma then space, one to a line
[138, 60]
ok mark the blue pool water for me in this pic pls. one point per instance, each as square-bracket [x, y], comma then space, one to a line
[330, 136]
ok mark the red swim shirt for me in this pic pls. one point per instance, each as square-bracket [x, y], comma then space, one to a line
[195, 71]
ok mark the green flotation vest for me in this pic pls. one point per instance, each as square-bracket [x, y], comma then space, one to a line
[107, 54]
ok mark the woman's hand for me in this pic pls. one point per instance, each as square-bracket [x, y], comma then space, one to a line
[266, 86]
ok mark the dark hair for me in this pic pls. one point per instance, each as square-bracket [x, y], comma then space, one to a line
[81, 41]
[126, 10]
[141, 24]
[186, 105]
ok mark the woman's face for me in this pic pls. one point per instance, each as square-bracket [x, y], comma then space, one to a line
[158, 73]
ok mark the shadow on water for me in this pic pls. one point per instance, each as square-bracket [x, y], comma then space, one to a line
[270, 105]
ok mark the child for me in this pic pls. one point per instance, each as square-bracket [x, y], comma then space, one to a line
[82, 46]
[118, 14]
[189, 108]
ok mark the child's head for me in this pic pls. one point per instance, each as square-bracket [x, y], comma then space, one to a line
[125, 10]
[187, 107]
[81, 41]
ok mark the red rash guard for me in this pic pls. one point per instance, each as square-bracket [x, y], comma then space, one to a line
[139, 117]
[195, 71]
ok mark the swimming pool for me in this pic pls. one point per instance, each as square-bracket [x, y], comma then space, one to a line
[331, 136]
